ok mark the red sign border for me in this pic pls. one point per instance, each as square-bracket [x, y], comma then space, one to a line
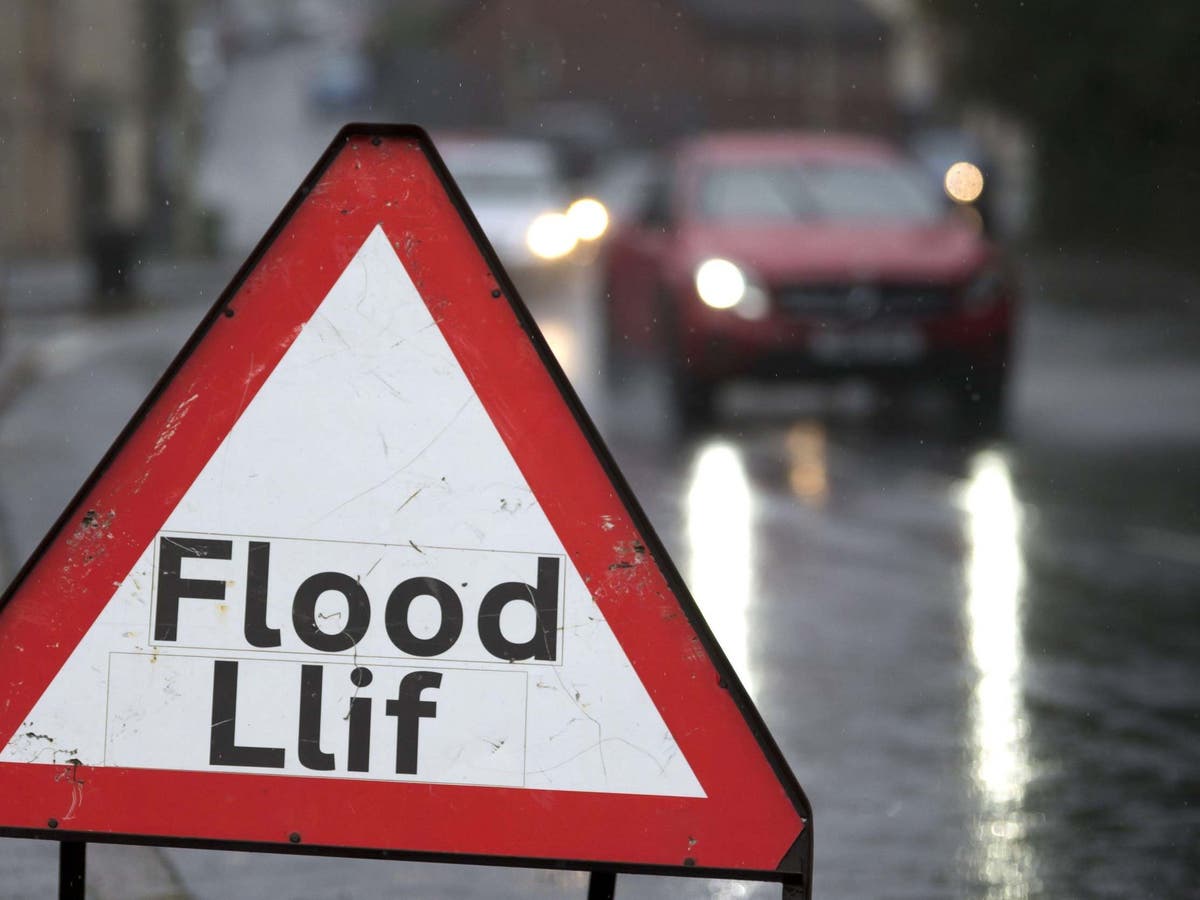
[795, 865]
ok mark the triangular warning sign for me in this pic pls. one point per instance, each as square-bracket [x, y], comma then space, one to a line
[360, 577]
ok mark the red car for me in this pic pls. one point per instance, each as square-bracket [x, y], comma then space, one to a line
[804, 256]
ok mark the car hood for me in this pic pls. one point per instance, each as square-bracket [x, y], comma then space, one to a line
[940, 252]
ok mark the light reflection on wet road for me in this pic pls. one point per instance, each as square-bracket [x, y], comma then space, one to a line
[720, 564]
[994, 581]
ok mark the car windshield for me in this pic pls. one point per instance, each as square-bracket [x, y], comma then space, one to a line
[482, 185]
[495, 171]
[818, 191]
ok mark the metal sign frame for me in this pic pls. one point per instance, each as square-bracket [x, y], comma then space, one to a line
[794, 869]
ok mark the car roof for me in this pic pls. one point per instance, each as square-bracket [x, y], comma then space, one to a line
[801, 146]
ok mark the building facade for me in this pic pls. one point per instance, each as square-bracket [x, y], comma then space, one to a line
[664, 67]
[94, 95]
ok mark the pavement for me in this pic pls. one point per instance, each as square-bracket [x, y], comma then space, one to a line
[52, 331]
[17, 369]
[48, 305]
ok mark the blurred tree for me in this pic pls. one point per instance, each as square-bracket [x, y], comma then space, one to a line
[404, 26]
[1111, 92]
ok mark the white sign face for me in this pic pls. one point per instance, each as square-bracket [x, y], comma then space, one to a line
[360, 584]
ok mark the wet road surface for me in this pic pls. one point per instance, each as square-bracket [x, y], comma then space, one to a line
[981, 657]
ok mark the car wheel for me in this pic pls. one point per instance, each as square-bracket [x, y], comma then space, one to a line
[980, 397]
[694, 399]
[692, 396]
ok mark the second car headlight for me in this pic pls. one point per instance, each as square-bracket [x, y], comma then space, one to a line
[588, 217]
[723, 284]
[550, 236]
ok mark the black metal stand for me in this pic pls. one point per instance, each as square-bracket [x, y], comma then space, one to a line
[602, 886]
[72, 870]
[794, 890]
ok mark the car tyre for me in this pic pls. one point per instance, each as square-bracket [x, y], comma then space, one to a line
[981, 397]
[694, 399]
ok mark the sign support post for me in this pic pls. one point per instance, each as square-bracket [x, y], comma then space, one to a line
[72, 870]
[794, 890]
[602, 886]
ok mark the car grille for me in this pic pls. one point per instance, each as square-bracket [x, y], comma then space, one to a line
[861, 302]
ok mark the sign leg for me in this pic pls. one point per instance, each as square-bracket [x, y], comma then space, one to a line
[602, 886]
[795, 890]
[72, 870]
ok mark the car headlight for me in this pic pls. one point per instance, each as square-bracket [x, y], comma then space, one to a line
[588, 217]
[550, 236]
[723, 284]
[963, 182]
[984, 290]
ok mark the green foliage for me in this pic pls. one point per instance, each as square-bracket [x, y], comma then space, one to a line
[402, 27]
[1111, 92]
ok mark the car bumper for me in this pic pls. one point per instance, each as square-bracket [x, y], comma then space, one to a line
[720, 347]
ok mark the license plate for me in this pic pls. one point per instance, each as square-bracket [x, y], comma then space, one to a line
[893, 346]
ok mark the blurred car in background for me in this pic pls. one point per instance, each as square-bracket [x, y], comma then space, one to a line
[790, 255]
[526, 208]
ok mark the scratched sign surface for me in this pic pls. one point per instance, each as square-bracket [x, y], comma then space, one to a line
[358, 576]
